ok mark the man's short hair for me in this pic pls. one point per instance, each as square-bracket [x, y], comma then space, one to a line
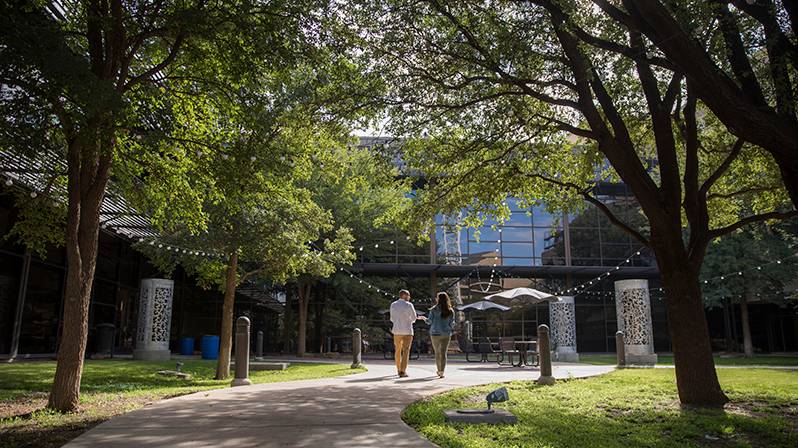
[404, 291]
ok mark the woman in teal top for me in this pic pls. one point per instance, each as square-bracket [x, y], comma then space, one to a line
[441, 324]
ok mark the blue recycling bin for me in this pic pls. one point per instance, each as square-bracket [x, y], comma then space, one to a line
[210, 346]
[187, 346]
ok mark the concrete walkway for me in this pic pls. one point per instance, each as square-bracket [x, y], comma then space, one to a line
[362, 410]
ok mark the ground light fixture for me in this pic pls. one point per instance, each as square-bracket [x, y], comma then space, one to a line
[484, 416]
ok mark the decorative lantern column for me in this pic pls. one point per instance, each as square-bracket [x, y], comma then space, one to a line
[562, 315]
[155, 320]
[633, 308]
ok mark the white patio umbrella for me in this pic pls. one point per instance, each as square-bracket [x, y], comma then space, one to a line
[483, 305]
[522, 296]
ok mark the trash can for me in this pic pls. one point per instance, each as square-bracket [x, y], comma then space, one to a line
[210, 346]
[104, 338]
[187, 346]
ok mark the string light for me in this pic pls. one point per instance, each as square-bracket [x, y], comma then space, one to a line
[584, 285]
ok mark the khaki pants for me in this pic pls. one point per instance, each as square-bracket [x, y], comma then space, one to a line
[441, 345]
[402, 344]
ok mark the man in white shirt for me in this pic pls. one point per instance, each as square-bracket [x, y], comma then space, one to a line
[403, 316]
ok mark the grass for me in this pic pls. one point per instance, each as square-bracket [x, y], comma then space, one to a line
[109, 388]
[759, 360]
[625, 408]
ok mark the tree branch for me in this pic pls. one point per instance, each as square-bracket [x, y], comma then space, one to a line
[173, 52]
[714, 233]
[735, 151]
[737, 56]
[585, 193]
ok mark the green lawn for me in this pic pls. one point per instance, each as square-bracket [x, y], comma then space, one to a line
[759, 360]
[625, 408]
[109, 388]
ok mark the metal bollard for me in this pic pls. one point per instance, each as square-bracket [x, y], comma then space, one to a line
[544, 351]
[242, 352]
[356, 349]
[259, 347]
[620, 348]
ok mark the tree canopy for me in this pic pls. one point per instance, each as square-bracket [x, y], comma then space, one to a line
[134, 92]
[516, 99]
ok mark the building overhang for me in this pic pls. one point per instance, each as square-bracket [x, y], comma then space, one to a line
[458, 271]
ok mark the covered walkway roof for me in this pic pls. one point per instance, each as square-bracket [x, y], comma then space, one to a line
[451, 270]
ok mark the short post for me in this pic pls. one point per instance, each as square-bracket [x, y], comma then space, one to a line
[620, 349]
[259, 347]
[242, 352]
[356, 349]
[544, 351]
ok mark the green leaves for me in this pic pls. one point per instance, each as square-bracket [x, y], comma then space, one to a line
[757, 262]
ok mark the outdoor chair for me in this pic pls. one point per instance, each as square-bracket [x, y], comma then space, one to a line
[507, 351]
[532, 356]
[536, 353]
[389, 349]
[466, 346]
[485, 350]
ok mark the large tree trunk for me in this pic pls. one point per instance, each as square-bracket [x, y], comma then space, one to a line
[288, 322]
[88, 171]
[318, 325]
[304, 300]
[696, 379]
[748, 347]
[226, 338]
[727, 330]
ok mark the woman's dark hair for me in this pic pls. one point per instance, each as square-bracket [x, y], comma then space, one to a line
[444, 304]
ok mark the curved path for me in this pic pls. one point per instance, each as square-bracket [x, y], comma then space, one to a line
[362, 410]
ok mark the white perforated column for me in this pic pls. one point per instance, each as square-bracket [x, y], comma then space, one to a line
[633, 308]
[155, 319]
[562, 315]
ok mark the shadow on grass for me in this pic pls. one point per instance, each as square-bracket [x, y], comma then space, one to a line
[45, 436]
[620, 410]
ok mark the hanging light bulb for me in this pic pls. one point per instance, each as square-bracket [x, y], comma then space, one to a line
[9, 182]
[33, 194]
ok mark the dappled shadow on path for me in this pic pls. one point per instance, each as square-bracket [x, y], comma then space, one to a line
[328, 415]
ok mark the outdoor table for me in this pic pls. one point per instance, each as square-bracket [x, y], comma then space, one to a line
[524, 347]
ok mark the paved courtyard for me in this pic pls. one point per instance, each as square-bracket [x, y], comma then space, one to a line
[362, 410]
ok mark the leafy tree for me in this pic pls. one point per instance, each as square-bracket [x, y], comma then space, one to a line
[364, 196]
[260, 219]
[117, 90]
[516, 100]
[741, 57]
[754, 263]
